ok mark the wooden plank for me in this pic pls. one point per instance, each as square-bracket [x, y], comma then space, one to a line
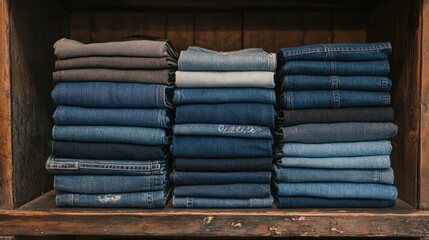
[42, 218]
[5, 111]
[80, 26]
[259, 30]
[31, 60]
[424, 127]
[349, 27]
[180, 30]
[317, 27]
[218, 31]
[115, 25]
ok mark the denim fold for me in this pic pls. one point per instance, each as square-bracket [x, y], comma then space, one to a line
[302, 175]
[244, 79]
[104, 184]
[214, 178]
[200, 202]
[332, 99]
[366, 162]
[70, 115]
[239, 190]
[185, 96]
[223, 164]
[338, 132]
[222, 130]
[112, 95]
[201, 59]
[111, 134]
[316, 202]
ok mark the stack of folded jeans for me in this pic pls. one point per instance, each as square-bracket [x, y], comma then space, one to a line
[335, 122]
[222, 140]
[112, 128]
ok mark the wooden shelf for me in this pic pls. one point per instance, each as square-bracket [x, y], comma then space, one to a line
[41, 217]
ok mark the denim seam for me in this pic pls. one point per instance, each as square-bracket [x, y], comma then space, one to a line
[336, 98]
[339, 49]
[289, 101]
[63, 166]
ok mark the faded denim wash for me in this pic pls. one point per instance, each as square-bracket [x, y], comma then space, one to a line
[198, 202]
[366, 162]
[209, 178]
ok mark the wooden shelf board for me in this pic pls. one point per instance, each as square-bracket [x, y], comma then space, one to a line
[41, 217]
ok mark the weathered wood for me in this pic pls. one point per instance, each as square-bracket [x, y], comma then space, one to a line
[42, 218]
[80, 26]
[180, 30]
[424, 127]
[34, 27]
[349, 27]
[218, 31]
[5, 111]
[115, 25]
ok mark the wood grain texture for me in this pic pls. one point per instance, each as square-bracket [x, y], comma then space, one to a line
[317, 28]
[424, 127]
[349, 27]
[218, 31]
[6, 197]
[42, 218]
[80, 26]
[115, 25]
[32, 61]
[180, 30]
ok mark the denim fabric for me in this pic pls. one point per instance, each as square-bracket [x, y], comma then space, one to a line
[369, 68]
[315, 202]
[68, 115]
[223, 164]
[220, 147]
[337, 52]
[197, 202]
[209, 178]
[361, 83]
[333, 175]
[367, 162]
[326, 150]
[98, 184]
[232, 113]
[116, 63]
[243, 190]
[112, 134]
[200, 59]
[339, 132]
[113, 151]
[153, 199]
[67, 48]
[223, 130]
[338, 190]
[112, 95]
[184, 96]
[335, 115]
[224, 79]
[162, 76]
[59, 166]
[333, 99]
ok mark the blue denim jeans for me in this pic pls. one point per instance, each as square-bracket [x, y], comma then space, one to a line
[337, 190]
[325, 68]
[336, 52]
[239, 190]
[209, 178]
[220, 147]
[112, 95]
[184, 96]
[223, 164]
[60, 166]
[223, 130]
[339, 132]
[359, 83]
[315, 202]
[230, 113]
[197, 202]
[327, 150]
[113, 151]
[333, 175]
[242, 79]
[151, 199]
[367, 162]
[111, 134]
[200, 59]
[154, 118]
[103, 184]
[332, 99]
